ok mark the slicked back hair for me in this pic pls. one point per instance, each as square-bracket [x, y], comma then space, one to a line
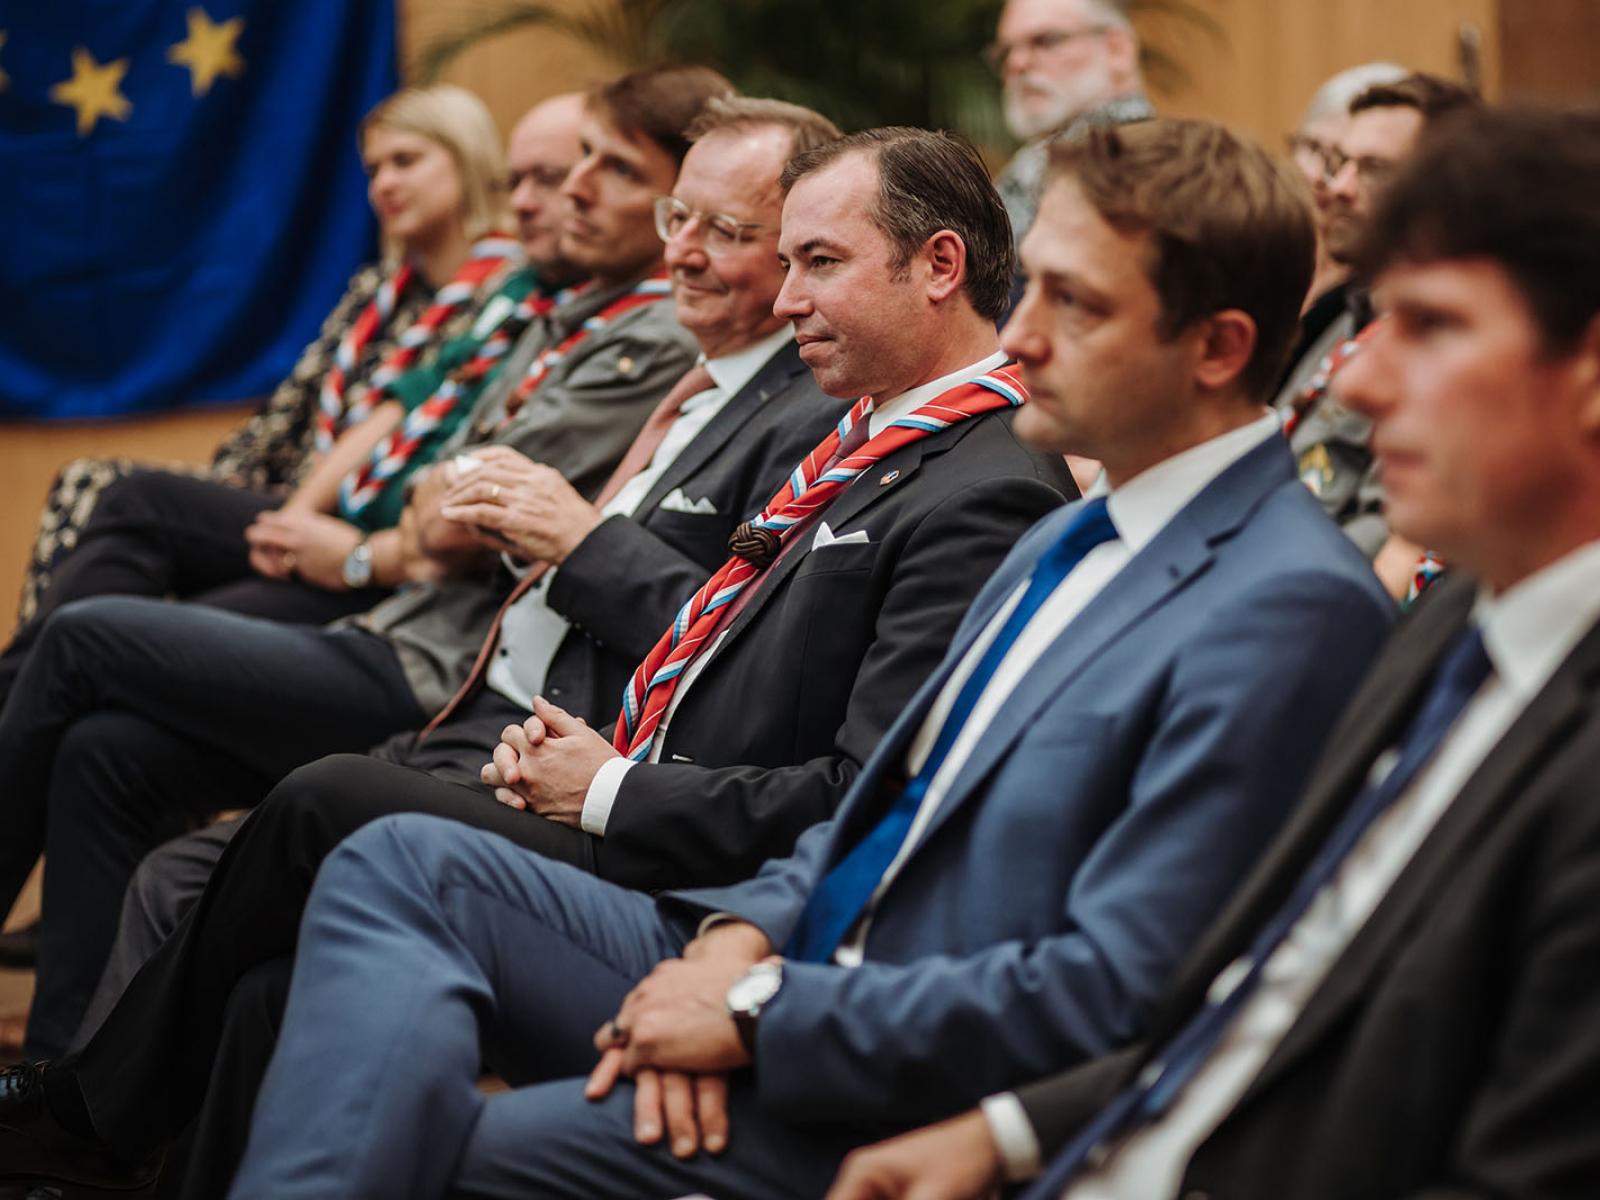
[1229, 226]
[807, 128]
[658, 103]
[929, 182]
[1519, 187]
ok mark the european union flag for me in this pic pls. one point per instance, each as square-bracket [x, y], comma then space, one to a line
[181, 198]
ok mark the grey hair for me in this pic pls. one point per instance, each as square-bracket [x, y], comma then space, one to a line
[1333, 97]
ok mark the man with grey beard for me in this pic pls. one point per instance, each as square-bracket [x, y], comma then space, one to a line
[1064, 65]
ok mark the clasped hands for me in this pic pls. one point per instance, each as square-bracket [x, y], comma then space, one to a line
[546, 764]
[674, 1037]
[294, 540]
[516, 505]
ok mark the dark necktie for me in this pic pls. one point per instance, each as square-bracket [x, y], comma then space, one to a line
[844, 891]
[1461, 671]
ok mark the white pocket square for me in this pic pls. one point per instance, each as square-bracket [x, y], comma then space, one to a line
[825, 538]
[676, 501]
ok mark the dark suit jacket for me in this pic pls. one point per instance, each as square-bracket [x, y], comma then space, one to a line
[1454, 1049]
[824, 657]
[1131, 779]
[626, 581]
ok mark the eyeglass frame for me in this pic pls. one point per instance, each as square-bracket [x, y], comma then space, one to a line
[666, 207]
[1371, 169]
[996, 53]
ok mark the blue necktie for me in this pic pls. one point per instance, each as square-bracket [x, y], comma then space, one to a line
[1461, 671]
[845, 890]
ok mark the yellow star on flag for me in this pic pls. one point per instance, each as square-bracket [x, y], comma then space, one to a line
[4, 78]
[94, 90]
[209, 51]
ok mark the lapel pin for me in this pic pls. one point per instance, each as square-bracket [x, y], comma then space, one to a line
[889, 478]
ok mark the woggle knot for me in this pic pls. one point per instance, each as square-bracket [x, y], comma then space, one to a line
[758, 547]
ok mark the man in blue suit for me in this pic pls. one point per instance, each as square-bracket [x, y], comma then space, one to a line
[1115, 733]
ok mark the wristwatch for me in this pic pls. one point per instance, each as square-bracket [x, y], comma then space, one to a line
[751, 993]
[357, 570]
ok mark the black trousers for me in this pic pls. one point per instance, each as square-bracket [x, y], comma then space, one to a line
[174, 1033]
[133, 718]
[160, 533]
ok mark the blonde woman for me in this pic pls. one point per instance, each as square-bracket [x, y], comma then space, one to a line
[437, 185]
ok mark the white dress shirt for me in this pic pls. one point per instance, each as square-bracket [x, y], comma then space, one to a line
[1527, 633]
[532, 631]
[602, 794]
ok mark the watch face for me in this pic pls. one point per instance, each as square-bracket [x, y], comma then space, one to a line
[358, 567]
[749, 992]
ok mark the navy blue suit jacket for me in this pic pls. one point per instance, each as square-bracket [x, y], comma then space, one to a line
[1132, 780]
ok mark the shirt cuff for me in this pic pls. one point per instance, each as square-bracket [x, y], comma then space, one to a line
[602, 794]
[1013, 1135]
[718, 918]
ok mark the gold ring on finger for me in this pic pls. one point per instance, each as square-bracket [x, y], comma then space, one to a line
[494, 494]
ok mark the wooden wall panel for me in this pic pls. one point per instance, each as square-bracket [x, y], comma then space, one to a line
[512, 72]
[1551, 50]
[1277, 52]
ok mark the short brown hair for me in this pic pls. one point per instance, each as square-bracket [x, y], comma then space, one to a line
[928, 182]
[1430, 95]
[1519, 187]
[807, 128]
[1229, 227]
[659, 103]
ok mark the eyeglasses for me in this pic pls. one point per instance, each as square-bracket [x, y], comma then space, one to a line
[719, 232]
[1329, 160]
[1370, 169]
[997, 53]
[1313, 152]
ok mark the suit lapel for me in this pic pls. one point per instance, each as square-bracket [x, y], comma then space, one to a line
[1182, 550]
[1120, 607]
[1502, 779]
[774, 376]
[865, 491]
[891, 748]
[1372, 722]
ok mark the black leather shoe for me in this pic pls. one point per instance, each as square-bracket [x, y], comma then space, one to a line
[35, 1149]
[19, 948]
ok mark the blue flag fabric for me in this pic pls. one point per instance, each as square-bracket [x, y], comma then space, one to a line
[181, 197]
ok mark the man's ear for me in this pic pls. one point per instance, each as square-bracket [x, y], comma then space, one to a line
[1586, 377]
[946, 256]
[1122, 48]
[1227, 344]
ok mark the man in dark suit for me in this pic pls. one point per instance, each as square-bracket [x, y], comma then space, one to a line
[1030, 847]
[1428, 927]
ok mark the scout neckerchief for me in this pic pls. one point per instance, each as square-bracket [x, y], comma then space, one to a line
[1317, 386]
[390, 456]
[1428, 569]
[649, 290]
[811, 487]
[488, 255]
